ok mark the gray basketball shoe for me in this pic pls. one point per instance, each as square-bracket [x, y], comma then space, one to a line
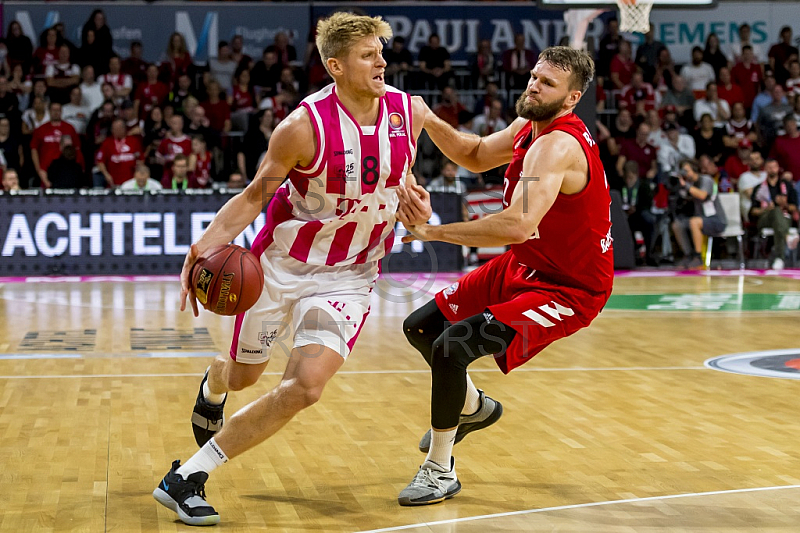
[432, 484]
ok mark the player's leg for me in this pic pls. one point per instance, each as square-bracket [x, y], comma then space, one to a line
[454, 350]
[422, 328]
[255, 333]
[183, 488]
[325, 331]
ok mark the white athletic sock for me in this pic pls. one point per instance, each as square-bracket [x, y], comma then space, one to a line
[212, 398]
[441, 447]
[209, 457]
[473, 401]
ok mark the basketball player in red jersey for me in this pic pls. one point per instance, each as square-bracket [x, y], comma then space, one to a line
[345, 151]
[554, 280]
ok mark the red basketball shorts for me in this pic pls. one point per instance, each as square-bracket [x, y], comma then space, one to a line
[539, 310]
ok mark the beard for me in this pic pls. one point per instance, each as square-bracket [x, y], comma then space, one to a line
[537, 112]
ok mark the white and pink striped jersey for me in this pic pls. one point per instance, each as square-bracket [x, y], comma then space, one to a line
[340, 210]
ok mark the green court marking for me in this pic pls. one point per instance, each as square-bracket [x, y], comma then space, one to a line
[783, 301]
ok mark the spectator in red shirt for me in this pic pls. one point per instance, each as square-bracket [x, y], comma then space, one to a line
[622, 66]
[638, 96]
[217, 109]
[175, 143]
[786, 149]
[738, 163]
[46, 55]
[117, 157]
[200, 162]
[739, 127]
[242, 101]
[641, 151]
[727, 90]
[748, 75]
[134, 66]
[780, 53]
[152, 93]
[449, 108]
[46, 143]
[178, 58]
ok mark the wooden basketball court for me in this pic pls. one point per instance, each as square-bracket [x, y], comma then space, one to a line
[618, 428]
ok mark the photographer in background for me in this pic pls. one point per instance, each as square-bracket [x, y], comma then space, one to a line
[708, 217]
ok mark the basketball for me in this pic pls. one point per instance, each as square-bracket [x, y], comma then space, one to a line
[227, 280]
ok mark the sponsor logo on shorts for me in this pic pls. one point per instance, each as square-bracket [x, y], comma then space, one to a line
[245, 350]
[267, 338]
[454, 308]
[450, 290]
[488, 316]
[783, 364]
[203, 282]
[555, 312]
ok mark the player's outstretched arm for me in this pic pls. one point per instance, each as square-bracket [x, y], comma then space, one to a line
[555, 164]
[291, 144]
[470, 151]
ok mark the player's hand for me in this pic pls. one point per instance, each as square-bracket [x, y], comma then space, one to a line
[416, 233]
[415, 205]
[188, 263]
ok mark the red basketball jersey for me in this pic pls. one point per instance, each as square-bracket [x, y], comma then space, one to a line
[572, 245]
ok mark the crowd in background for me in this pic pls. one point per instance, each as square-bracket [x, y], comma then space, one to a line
[672, 137]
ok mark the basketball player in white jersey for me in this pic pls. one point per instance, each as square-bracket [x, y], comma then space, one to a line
[345, 151]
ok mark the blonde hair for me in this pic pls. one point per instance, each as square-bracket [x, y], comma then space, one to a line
[339, 32]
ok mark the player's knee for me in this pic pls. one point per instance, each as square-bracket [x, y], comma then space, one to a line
[411, 328]
[449, 353]
[303, 396]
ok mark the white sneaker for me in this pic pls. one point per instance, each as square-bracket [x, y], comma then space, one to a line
[777, 264]
[432, 484]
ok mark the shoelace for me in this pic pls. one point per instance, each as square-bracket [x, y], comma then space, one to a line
[200, 490]
[426, 477]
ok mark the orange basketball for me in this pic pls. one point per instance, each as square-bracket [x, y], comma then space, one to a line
[227, 280]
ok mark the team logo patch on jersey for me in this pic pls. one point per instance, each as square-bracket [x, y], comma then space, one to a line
[784, 364]
[396, 121]
[451, 289]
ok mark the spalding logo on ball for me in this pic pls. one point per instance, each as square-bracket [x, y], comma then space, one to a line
[227, 280]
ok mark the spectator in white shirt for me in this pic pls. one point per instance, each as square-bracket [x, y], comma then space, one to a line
[223, 67]
[486, 124]
[712, 104]
[91, 90]
[141, 180]
[75, 112]
[122, 83]
[734, 54]
[749, 181]
[698, 74]
[62, 76]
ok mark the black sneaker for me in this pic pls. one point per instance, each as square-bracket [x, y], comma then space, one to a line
[490, 412]
[207, 418]
[187, 497]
